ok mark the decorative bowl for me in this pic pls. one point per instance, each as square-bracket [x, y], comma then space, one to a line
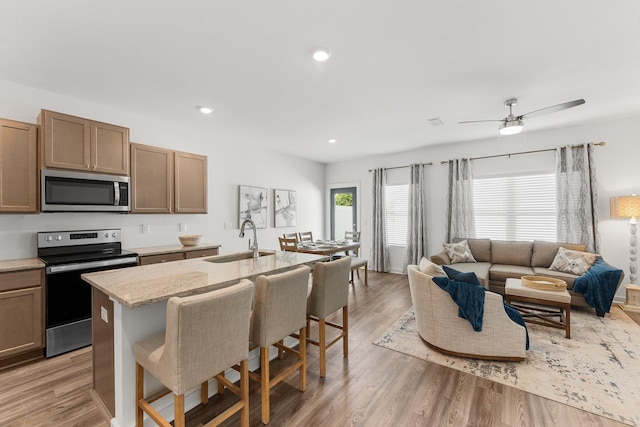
[544, 283]
[190, 239]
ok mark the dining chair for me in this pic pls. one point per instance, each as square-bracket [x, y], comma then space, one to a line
[356, 261]
[289, 245]
[329, 293]
[290, 235]
[305, 236]
[191, 351]
[279, 310]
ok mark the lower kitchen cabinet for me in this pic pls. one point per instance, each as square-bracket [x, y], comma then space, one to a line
[156, 256]
[21, 316]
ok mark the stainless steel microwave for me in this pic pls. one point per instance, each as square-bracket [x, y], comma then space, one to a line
[68, 191]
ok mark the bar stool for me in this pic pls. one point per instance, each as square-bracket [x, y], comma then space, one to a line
[329, 293]
[205, 334]
[279, 310]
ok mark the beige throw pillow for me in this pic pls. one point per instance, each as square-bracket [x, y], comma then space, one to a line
[459, 252]
[430, 268]
[574, 262]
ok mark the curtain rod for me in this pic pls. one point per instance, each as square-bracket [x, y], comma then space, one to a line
[405, 166]
[444, 162]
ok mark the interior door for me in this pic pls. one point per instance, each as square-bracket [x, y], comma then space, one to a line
[343, 211]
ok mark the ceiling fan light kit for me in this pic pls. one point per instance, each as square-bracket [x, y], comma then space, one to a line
[511, 128]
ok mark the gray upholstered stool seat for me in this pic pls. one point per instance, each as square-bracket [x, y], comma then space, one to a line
[205, 334]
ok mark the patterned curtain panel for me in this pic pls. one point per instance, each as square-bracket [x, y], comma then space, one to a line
[460, 219]
[577, 196]
[417, 229]
[379, 255]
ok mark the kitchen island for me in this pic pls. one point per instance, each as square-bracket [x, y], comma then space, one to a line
[129, 304]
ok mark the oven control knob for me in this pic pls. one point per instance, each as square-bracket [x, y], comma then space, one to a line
[58, 237]
[48, 238]
[106, 235]
[114, 234]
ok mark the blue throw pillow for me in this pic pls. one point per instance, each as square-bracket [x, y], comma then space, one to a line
[459, 276]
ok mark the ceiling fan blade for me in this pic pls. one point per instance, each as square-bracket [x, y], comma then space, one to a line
[480, 121]
[552, 109]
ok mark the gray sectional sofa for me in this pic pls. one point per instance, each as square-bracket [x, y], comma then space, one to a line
[498, 260]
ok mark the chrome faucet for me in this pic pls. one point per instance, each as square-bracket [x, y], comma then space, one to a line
[253, 247]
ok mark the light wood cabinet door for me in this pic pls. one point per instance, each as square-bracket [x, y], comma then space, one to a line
[190, 183]
[151, 179]
[66, 141]
[157, 259]
[21, 312]
[201, 253]
[18, 167]
[109, 149]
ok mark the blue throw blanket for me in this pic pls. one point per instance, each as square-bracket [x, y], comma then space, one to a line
[470, 299]
[517, 317]
[598, 285]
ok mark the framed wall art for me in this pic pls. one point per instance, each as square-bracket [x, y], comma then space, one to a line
[285, 208]
[252, 203]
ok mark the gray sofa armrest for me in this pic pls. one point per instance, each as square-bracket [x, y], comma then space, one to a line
[441, 258]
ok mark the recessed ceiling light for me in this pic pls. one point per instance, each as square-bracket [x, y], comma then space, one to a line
[206, 110]
[321, 54]
[332, 140]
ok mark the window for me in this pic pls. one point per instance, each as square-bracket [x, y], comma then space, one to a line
[516, 207]
[397, 210]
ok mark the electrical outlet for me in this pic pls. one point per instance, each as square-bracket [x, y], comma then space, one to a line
[182, 227]
[146, 228]
[227, 225]
[104, 314]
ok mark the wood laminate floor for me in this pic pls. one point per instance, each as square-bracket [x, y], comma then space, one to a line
[372, 387]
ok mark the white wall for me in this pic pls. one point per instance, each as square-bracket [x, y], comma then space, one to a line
[617, 170]
[229, 165]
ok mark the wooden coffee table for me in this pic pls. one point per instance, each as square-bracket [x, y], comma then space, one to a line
[539, 306]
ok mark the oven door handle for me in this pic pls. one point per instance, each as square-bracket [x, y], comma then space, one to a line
[91, 264]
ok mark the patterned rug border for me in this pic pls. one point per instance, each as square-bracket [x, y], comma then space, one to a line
[597, 370]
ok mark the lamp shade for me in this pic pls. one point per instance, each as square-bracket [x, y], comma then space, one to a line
[625, 206]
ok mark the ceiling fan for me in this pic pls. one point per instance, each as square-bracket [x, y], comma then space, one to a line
[512, 125]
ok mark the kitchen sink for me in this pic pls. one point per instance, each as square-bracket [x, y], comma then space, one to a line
[237, 257]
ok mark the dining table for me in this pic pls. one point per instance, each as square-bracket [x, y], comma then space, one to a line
[328, 247]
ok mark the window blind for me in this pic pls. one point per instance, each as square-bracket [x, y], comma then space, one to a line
[397, 210]
[516, 207]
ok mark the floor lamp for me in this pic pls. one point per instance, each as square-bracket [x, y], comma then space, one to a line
[629, 207]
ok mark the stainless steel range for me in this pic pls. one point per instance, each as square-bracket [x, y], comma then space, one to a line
[67, 255]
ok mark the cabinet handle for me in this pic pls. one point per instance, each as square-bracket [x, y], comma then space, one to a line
[88, 166]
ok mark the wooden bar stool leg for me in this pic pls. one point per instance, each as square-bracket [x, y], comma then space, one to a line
[204, 392]
[345, 331]
[244, 392]
[366, 275]
[323, 347]
[264, 384]
[220, 385]
[139, 395]
[303, 358]
[280, 350]
[178, 410]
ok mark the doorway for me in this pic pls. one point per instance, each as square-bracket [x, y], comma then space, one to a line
[344, 211]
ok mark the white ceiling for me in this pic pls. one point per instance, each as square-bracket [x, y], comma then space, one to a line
[393, 65]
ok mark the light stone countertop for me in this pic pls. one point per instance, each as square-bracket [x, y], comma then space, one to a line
[157, 250]
[20, 264]
[147, 284]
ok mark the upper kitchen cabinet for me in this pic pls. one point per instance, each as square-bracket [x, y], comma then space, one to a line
[190, 183]
[151, 179]
[70, 142]
[18, 167]
[166, 181]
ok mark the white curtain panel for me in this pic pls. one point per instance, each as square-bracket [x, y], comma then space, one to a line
[417, 227]
[577, 196]
[380, 260]
[460, 219]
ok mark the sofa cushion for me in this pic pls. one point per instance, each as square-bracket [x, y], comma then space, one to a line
[502, 272]
[512, 253]
[545, 272]
[480, 248]
[575, 262]
[481, 270]
[430, 268]
[545, 252]
[459, 252]
[459, 276]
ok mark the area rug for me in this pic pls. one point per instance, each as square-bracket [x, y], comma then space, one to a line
[597, 370]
